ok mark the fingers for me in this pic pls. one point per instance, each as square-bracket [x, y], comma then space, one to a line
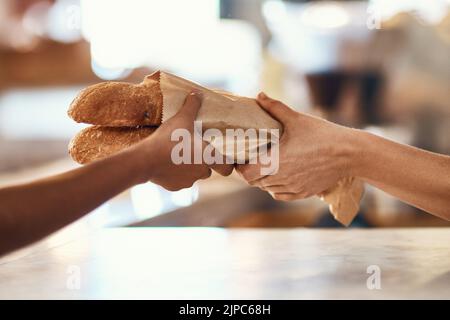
[206, 174]
[215, 159]
[223, 169]
[250, 172]
[286, 196]
[275, 108]
[191, 106]
[274, 189]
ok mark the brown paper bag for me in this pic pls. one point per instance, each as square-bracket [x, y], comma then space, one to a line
[226, 111]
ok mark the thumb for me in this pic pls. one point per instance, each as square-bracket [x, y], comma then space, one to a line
[191, 106]
[275, 108]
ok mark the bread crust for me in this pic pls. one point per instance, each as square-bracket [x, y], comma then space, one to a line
[119, 104]
[97, 142]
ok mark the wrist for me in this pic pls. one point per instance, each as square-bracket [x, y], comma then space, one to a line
[359, 144]
[141, 163]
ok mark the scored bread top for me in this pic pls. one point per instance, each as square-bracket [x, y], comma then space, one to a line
[97, 142]
[119, 104]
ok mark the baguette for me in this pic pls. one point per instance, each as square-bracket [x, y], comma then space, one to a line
[97, 142]
[120, 104]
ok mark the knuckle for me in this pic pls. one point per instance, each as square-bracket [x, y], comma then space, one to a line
[207, 174]
[172, 188]
[186, 185]
[227, 172]
[242, 169]
[190, 98]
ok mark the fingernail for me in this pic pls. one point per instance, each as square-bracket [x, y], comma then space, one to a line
[262, 95]
[197, 93]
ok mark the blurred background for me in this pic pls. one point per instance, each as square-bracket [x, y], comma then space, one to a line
[379, 65]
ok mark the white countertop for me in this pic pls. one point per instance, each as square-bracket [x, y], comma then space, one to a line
[210, 263]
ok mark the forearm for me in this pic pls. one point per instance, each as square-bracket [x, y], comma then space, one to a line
[32, 211]
[415, 176]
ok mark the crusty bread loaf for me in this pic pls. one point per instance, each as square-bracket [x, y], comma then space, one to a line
[119, 104]
[97, 142]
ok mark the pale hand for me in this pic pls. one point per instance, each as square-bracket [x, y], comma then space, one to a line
[313, 155]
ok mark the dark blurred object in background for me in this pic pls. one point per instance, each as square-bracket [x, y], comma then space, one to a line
[326, 91]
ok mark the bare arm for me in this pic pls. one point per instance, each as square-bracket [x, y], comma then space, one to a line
[315, 154]
[415, 176]
[29, 212]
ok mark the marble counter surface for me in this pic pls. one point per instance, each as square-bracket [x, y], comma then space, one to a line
[214, 263]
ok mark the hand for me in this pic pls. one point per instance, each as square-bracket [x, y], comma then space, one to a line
[313, 155]
[156, 150]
